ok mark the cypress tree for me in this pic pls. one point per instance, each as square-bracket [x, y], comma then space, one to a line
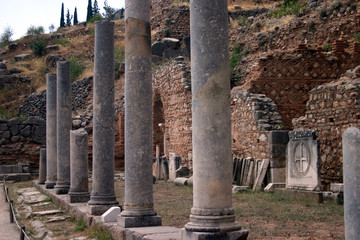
[75, 17]
[89, 11]
[96, 9]
[68, 18]
[62, 18]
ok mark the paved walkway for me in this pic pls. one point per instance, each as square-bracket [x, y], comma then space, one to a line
[8, 231]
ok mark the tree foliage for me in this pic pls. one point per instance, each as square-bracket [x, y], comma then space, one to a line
[96, 9]
[62, 18]
[5, 37]
[35, 31]
[89, 14]
[68, 18]
[75, 17]
[109, 11]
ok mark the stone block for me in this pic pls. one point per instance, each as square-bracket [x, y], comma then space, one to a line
[110, 215]
[22, 57]
[158, 48]
[3, 127]
[302, 163]
[235, 235]
[181, 181]
[277, 151]
[141, 221]
[279, 137]
[171, 43]
[174, 164]
[25, 132]
[98, 210]
[337, 187]
[13, 121]
[14, 130]
[171, 53]
[271, 186]
[277, 175]
[236, 189]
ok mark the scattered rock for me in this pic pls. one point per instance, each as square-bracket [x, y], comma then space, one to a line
[48, 212]
[52, 59]
[22, 57]
[158, 48]
[52, 48]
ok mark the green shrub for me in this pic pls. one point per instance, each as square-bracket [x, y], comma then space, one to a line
[62, 42]
[119, 58]
[95, 18]
[244, 21]
[38, 47]
[327, 47]
[77, 67]
[290, 7]
[236, 56]
[357, 37]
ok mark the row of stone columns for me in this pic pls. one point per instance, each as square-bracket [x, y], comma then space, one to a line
[212, 215]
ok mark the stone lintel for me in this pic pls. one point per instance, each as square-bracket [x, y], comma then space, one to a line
[235, 235]
[139, 221]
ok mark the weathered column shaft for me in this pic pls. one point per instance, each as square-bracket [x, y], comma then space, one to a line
[79, 189]
[139, 203]
[42, 166]
[63, 127]
[351, 161]
[212, 211]
[103, 194]
[51, 138]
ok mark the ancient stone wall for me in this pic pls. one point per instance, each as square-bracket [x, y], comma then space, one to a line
[172, 107]
[21, 140]
[253, 117]
[287, 77]
[332, 108]
[174, 22]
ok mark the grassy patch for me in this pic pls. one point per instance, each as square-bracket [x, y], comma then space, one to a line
[62, 42]
[48, 199]
[100, 233]
[327, 47]
[80, 226]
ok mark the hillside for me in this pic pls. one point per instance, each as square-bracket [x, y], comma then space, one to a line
[253, 34]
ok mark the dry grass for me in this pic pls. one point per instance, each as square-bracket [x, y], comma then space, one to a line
[250, 4]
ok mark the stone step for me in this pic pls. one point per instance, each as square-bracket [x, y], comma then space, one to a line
[47, 212]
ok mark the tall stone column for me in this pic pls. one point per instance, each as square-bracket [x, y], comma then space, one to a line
[103, 195]
[139, 203]
[351, 161]
[212, 215]
[42, 166]
[63, 127]
[79, 189]
[51, 145]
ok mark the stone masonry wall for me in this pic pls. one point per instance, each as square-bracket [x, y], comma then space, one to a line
[331, 109]
[287, 77]
[253, 117]
[172, 104]
[20, 141]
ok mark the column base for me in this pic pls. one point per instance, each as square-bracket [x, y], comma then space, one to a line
[235, 235]
[77, 197]
[50, 184]
[99, 210]
[62, 188]
[41, 183]
[139, 221]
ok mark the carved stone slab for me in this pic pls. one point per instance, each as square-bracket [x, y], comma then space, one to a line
[302, 161]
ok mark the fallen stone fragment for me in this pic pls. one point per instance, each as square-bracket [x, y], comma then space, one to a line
[57, 219]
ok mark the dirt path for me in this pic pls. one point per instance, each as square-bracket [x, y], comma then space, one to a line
[8, 231]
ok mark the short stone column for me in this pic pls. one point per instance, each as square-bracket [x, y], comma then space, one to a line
[139, 203]
[51, 144]
[64, 122]
[79, 188]
[42, 166]
[351, 161]
[212, 215]
[103, 194]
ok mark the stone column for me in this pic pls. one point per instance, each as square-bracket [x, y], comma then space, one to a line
[103, 194]
[63, 127]
[79, 188]
[212, 215]
[351, 161]
[42, 166]
[51, 144]
[139, 203]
